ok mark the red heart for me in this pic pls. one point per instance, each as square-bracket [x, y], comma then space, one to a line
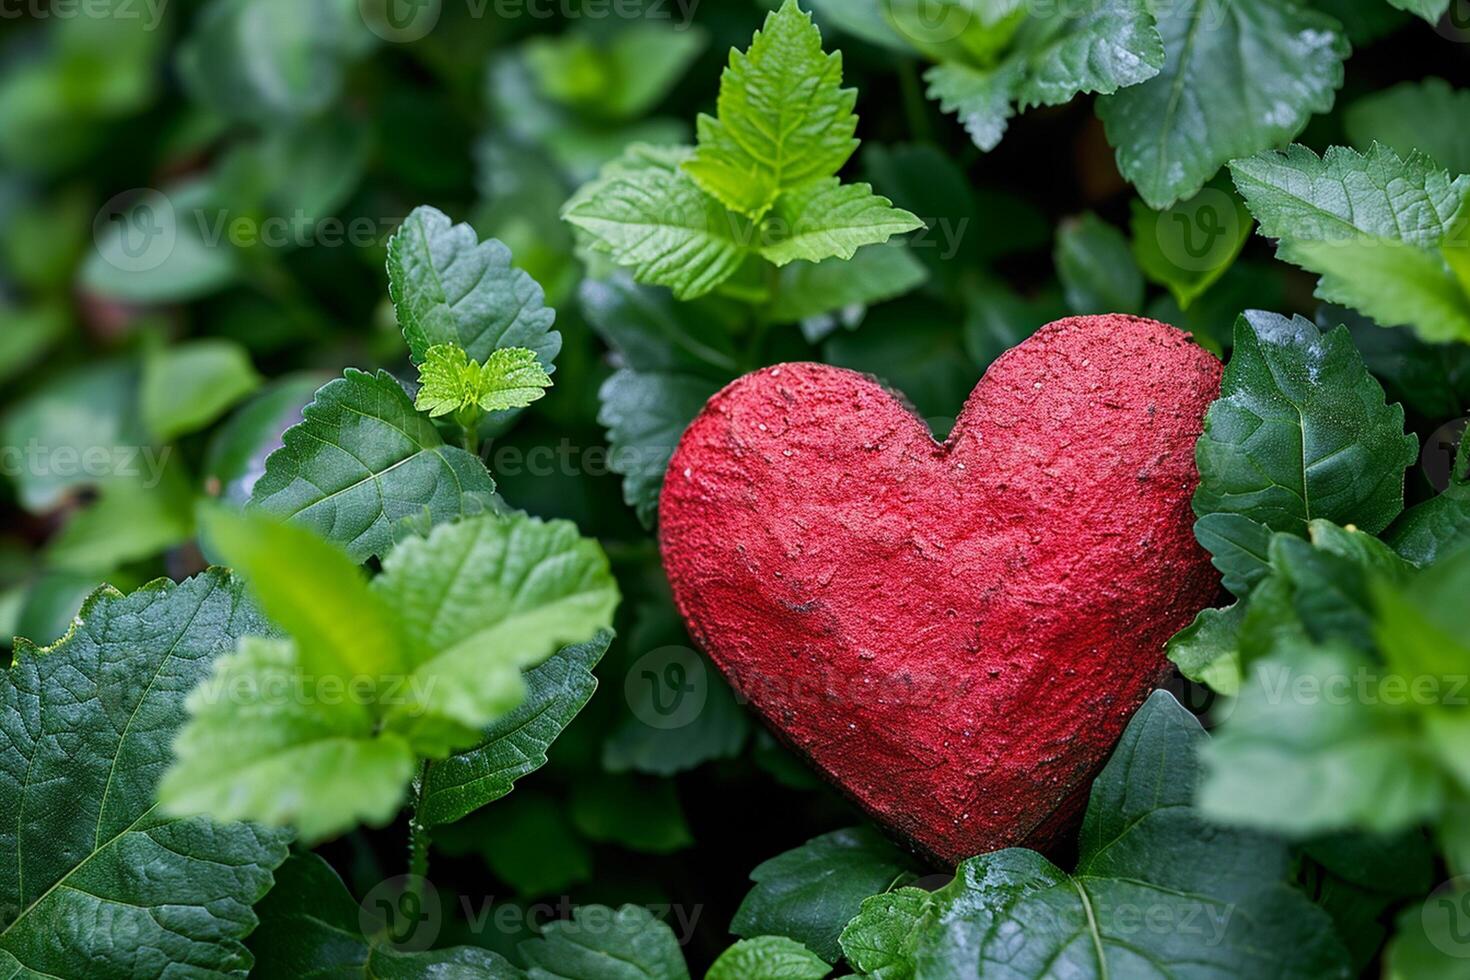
[957, 634]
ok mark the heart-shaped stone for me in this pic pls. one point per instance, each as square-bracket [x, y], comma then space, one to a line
[957, 634]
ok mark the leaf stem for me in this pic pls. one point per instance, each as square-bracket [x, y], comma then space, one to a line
[418, 836]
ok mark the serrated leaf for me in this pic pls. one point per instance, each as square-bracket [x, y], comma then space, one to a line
[311, 926]
[1176, 130]
[645, 415]
[93, 872]
[811, 892]
[768, 958]
[1239, 548]
[478, 602]
[448, 287]
[599, 943]
[1217, 898]
[981, 98]
[517, 744]
[873, 275]
[646, 214]
[783, 117]
[1208, 650]
[361, 461]
[1414, 117]
[1097, 268]
[1301, 431]
[827, 219]
[1380, 230]
[880, 939]
[449, 381]
[1441, 525]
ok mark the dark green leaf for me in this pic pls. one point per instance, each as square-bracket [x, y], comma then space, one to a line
[599, 943]
[1097, 268]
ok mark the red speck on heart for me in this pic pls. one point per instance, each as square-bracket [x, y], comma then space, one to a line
[956, 635]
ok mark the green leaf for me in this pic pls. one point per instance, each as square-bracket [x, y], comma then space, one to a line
[1189, 246]
[478, 602]
[131, 520]
[1301, 431]
[811, 892]
[30, 332]
[1207, 650]
[186, 387]
[1439, 526]
[784, 119]
[639, 814]
[646, 214]
[645, 415]
[314, 592]
[651, 332]
[448, 287]
[1379, 229]
[93, 872]
[873, 275]
[768, 958]
[826, 219]
[1096, 267]
[1429, 940]
[1358, 877]
[271, 61]
[238, 450]
[1173, 132]
[310, 926]
[880, 939]
[528, 841]
[364, 459]
[1313, 746]
[599, 943]
[449, 381]
[1217, 898]
[271, 741]
[981, 98]
[1414, 117]
[1430, 10]
[516, 745]
[1238, 547]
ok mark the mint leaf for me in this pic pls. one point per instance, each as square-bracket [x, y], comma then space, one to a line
[87, 734]
[1301, 431]
[1413, 117]
[873, 275]
[1380, 230]
[478, 602]
[783, 117]
[188, 386]
[770, 958]
[449, 381]
[808, 894]
[1176, 130]
[645, 213]
[310, 926]
[271, 741]
[599, 943]
[1054, 55]
[448, 287]
[1222, 892]
[516, 745]
[361, 461]
[1096, 267]
[826, 219]
[880, 939]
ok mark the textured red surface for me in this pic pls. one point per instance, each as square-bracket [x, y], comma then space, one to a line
[956, 634]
